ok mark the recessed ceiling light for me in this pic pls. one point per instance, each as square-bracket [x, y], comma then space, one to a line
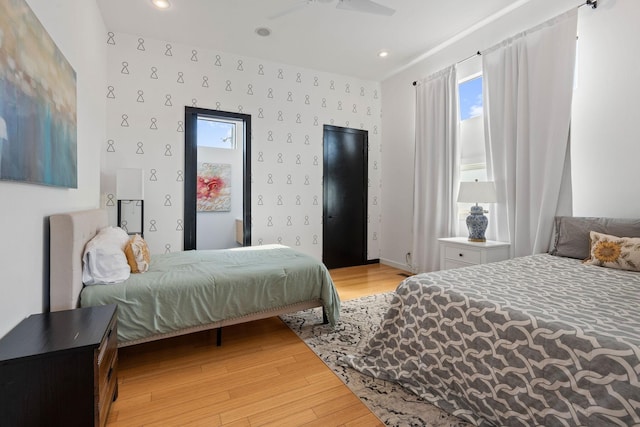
[383, 54]
[263, 31]
[161, 4]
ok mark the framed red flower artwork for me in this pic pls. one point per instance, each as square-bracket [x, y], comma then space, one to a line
[213, 193]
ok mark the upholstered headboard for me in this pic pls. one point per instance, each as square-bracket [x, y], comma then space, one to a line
[69, 232]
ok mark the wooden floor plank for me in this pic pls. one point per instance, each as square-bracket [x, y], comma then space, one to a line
[288, 407]
[258, 388]
[159, 411]
[199, 417]
[244, 422]
[262, 375]
[367, 420]
[336, 404]
[340, 416]
[289, 397]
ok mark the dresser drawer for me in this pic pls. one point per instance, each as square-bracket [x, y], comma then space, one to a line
[107, 364]
[107, 350]
[107, 393]
[467, 255]
[452, 263]
[460, 252]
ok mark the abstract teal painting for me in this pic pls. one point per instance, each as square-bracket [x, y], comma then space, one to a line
[38, 134]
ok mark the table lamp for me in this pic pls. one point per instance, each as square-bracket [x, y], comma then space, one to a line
[477, 192]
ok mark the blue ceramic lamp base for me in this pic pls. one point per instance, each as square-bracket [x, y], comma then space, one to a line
[477, 224]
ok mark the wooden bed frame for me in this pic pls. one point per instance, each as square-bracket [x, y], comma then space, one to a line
[69, 233]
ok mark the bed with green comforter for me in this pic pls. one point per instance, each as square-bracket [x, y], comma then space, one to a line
[195, 290]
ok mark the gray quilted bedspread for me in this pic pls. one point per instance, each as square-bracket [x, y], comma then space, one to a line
[538, 340]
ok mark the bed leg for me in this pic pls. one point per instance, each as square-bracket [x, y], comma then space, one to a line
[325, 319]
[219, 337]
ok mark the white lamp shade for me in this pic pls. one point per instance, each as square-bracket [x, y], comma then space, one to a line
[477, 192]
[130, 184]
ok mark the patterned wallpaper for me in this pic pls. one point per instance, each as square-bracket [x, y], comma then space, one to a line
[150, 82]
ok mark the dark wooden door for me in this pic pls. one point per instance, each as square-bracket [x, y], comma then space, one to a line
[344, 236]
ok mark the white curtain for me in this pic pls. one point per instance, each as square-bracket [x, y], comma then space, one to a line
[436, 167]
[527, 96]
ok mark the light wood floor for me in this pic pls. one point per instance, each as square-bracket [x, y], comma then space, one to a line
[263, 375]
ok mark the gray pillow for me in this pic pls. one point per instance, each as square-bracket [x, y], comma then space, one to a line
[572, 233]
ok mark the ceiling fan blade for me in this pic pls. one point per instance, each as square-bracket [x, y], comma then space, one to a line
[367, 6]
[300, 4]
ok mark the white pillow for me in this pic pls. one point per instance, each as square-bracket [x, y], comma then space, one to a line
[103, 260]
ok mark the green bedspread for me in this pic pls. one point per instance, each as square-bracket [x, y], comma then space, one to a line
[186, 289]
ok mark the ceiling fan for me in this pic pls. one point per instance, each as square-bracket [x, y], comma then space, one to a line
[366, 6]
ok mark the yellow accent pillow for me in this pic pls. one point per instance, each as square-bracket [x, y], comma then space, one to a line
[137, 253]
[614, 252]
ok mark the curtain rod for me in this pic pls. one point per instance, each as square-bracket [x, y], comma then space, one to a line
[592, 3]
[478, 53]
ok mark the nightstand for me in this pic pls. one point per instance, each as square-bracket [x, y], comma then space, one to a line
[60, 368]
[456, 252]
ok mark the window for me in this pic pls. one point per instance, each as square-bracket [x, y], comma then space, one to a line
[216, 133]
[473, 163]
[470, 93]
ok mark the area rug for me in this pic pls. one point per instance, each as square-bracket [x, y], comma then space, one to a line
[359, 318]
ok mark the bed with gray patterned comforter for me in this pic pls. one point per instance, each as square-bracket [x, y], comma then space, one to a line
[537, 340]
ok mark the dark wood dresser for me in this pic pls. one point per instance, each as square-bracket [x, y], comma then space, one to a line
[60, 368]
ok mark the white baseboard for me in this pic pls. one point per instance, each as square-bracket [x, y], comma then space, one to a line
[394, 264]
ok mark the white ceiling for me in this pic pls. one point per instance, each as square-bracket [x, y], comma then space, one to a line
[317, 36]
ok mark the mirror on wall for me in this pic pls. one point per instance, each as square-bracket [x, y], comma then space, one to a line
[131, 216]
[217, 205]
